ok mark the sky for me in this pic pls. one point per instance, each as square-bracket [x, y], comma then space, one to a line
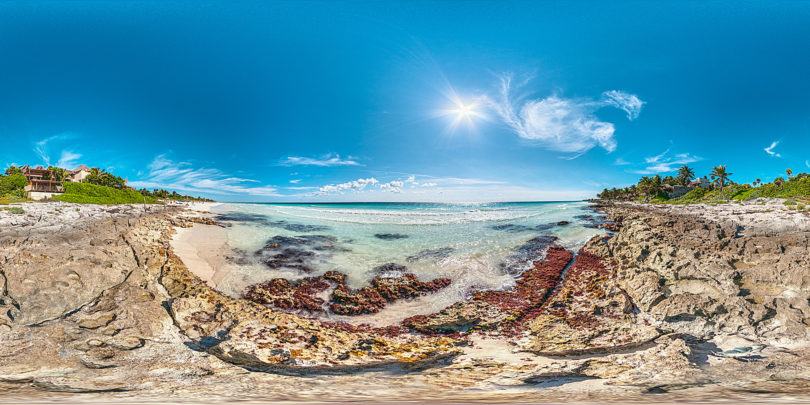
[405, 101]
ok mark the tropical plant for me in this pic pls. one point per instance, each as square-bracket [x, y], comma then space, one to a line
[56, 173]
[789, 172]
[685, 175]
[650, 186]
[13, 170]
[13, 185]
[720, 176]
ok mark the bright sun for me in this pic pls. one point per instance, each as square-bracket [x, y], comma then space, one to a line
[463, 112]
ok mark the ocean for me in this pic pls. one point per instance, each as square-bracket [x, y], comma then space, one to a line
[478, 246]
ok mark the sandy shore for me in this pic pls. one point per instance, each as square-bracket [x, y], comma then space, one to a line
[202, 250]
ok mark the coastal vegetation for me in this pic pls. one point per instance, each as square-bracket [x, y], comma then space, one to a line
[721, 188]
[85, 193]
[173, 196]
[97, 187]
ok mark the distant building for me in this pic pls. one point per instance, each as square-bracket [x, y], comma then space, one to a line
[679, 190]
[40, 185]
[702, 182]
[78, 175]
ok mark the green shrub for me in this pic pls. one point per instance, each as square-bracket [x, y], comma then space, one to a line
[83, 193]
[13, 184]
[14, 210]
[790, 202]
[695, 194]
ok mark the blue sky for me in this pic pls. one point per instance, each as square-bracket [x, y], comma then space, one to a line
[405, 101]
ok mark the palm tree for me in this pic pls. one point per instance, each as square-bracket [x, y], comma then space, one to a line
[720, 176]
[650, 186]
[686, 174]
[789, 172]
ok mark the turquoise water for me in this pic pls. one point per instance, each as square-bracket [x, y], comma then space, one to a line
[477, 246]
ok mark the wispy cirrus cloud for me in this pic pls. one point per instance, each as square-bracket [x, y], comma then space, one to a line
[807, 163]
[561, 124]
[769, 149]
[328, 160]
[665, 162]
[629, 103]
[67, 158]
[182, 176]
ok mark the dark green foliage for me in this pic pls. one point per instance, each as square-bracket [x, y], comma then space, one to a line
[648, 189]
[174, 195]
[103, 178]
[685, 175]
[13, 185]
[13, 170]
[83, 193]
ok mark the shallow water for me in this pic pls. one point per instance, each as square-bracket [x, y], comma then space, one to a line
[477, 246]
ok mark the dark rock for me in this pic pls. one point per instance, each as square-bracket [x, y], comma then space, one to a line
[372, 299]
[296, 252]
[266, 221]
[435, 254]
[515, 228]
[526, 254]
[390, 236]
[389, 270]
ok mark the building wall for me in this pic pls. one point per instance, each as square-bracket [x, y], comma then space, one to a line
[80, 176]
[40, 195]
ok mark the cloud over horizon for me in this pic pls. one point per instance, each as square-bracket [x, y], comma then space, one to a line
[328, 160]
[167, 174]
[563, 124]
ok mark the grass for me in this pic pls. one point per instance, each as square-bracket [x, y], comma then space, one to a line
[13, 210]
[11, 199]
[83, 193]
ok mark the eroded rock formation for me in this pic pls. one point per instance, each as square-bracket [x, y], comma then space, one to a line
[93, 300]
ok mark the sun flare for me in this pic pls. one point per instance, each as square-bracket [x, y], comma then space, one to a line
[463, 112]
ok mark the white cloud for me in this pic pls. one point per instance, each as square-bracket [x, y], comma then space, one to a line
[563, 124]
[168, 174]
[327, 160]
[663, 163]
[630, 103]
[371, 185]
[392, 186]
[769, 149]
[621, 162]
[68, 159]
[42, 149]
[295, 181]
[355, 185]
[807, 163]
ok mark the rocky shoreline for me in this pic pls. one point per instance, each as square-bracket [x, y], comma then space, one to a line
[703, 303]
